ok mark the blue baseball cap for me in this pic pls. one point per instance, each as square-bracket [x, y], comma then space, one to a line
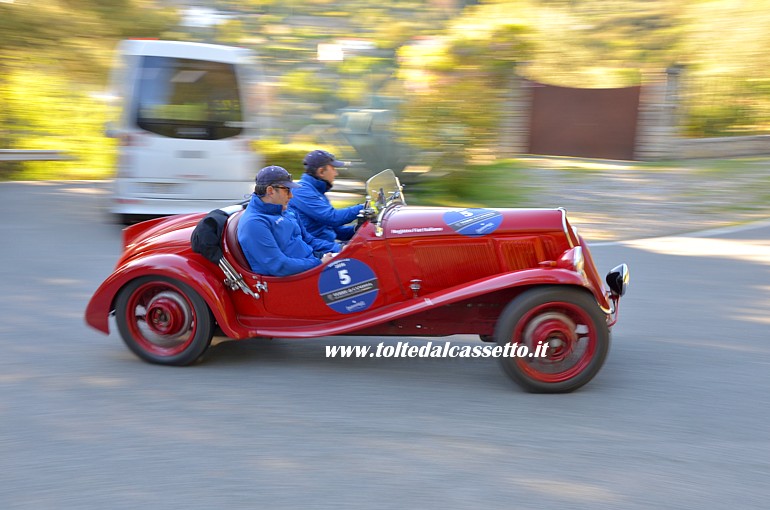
[275, 175]
[318, 158]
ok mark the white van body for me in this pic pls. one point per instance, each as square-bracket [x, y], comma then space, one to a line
[188, 116]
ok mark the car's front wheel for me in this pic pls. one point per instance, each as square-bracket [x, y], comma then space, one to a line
[565, 324]
[163, 320]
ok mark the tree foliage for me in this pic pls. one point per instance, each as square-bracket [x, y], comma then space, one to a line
[449, 63]
[54, 57]
[456, 79]
[457, 82]
[78, 35]
[726, 54]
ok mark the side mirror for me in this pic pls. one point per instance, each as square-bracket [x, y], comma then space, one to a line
[617, 279]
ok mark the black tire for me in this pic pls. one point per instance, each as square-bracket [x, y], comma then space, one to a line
[573, 326]
[180, 327]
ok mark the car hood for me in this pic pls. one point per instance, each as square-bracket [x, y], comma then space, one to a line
[412, 221]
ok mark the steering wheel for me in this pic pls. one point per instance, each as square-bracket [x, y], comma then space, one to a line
[363, 215]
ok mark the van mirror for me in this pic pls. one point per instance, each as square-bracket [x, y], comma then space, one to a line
[110, 130]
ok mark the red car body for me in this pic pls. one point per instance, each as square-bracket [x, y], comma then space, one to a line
[414, 271]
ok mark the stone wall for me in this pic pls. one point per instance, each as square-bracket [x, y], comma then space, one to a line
[657, 137]
[514, 129]
[656, 122]
[727, 147]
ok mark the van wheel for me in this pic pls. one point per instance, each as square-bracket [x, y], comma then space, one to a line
[564, 321]
[123, 219]
[164, 320]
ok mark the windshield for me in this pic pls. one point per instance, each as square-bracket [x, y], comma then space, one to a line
[186, 98]
[383, 190]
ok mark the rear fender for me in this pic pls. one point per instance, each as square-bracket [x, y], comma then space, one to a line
[188, 271]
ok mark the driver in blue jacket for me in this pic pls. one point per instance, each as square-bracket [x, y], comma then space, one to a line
[272, 239]
[312, 206]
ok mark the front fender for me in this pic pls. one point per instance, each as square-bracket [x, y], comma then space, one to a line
[184, 269]
[529, 277]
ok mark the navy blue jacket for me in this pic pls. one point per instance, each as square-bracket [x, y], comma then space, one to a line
[274, 241]
[317, 214]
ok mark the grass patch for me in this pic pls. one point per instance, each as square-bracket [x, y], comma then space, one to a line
[490, 185]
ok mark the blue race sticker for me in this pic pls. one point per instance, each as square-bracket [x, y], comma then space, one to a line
[348, 286]
[473, 222]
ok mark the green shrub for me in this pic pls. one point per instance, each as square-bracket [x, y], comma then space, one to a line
[50, 112]
[488, 185]
[287, 155]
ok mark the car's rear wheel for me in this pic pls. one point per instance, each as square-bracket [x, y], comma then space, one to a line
[163, 320]
[566, 320]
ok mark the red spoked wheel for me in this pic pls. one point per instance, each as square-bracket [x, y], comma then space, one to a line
[163, 320]
[565, 323]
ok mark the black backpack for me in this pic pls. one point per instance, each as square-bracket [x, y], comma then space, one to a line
[206, 239]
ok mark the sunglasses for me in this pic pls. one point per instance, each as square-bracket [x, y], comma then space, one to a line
[283, 187]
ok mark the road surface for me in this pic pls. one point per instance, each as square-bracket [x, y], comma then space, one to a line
[677, 418]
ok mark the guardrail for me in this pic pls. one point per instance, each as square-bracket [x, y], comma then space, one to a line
[33, 155]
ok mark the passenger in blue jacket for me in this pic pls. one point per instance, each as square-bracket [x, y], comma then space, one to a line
[311, 205]
[273, 240]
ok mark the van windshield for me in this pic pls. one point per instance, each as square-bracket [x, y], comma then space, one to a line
[186, 98]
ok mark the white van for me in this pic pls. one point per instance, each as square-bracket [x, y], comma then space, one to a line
[188, 114]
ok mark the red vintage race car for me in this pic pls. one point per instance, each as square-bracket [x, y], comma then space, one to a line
[511, 276]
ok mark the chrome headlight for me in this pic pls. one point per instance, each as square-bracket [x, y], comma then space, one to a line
[617, 279]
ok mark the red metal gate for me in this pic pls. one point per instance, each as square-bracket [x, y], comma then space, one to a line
[591, 123]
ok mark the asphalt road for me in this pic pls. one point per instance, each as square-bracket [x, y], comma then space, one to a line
[677, 418]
